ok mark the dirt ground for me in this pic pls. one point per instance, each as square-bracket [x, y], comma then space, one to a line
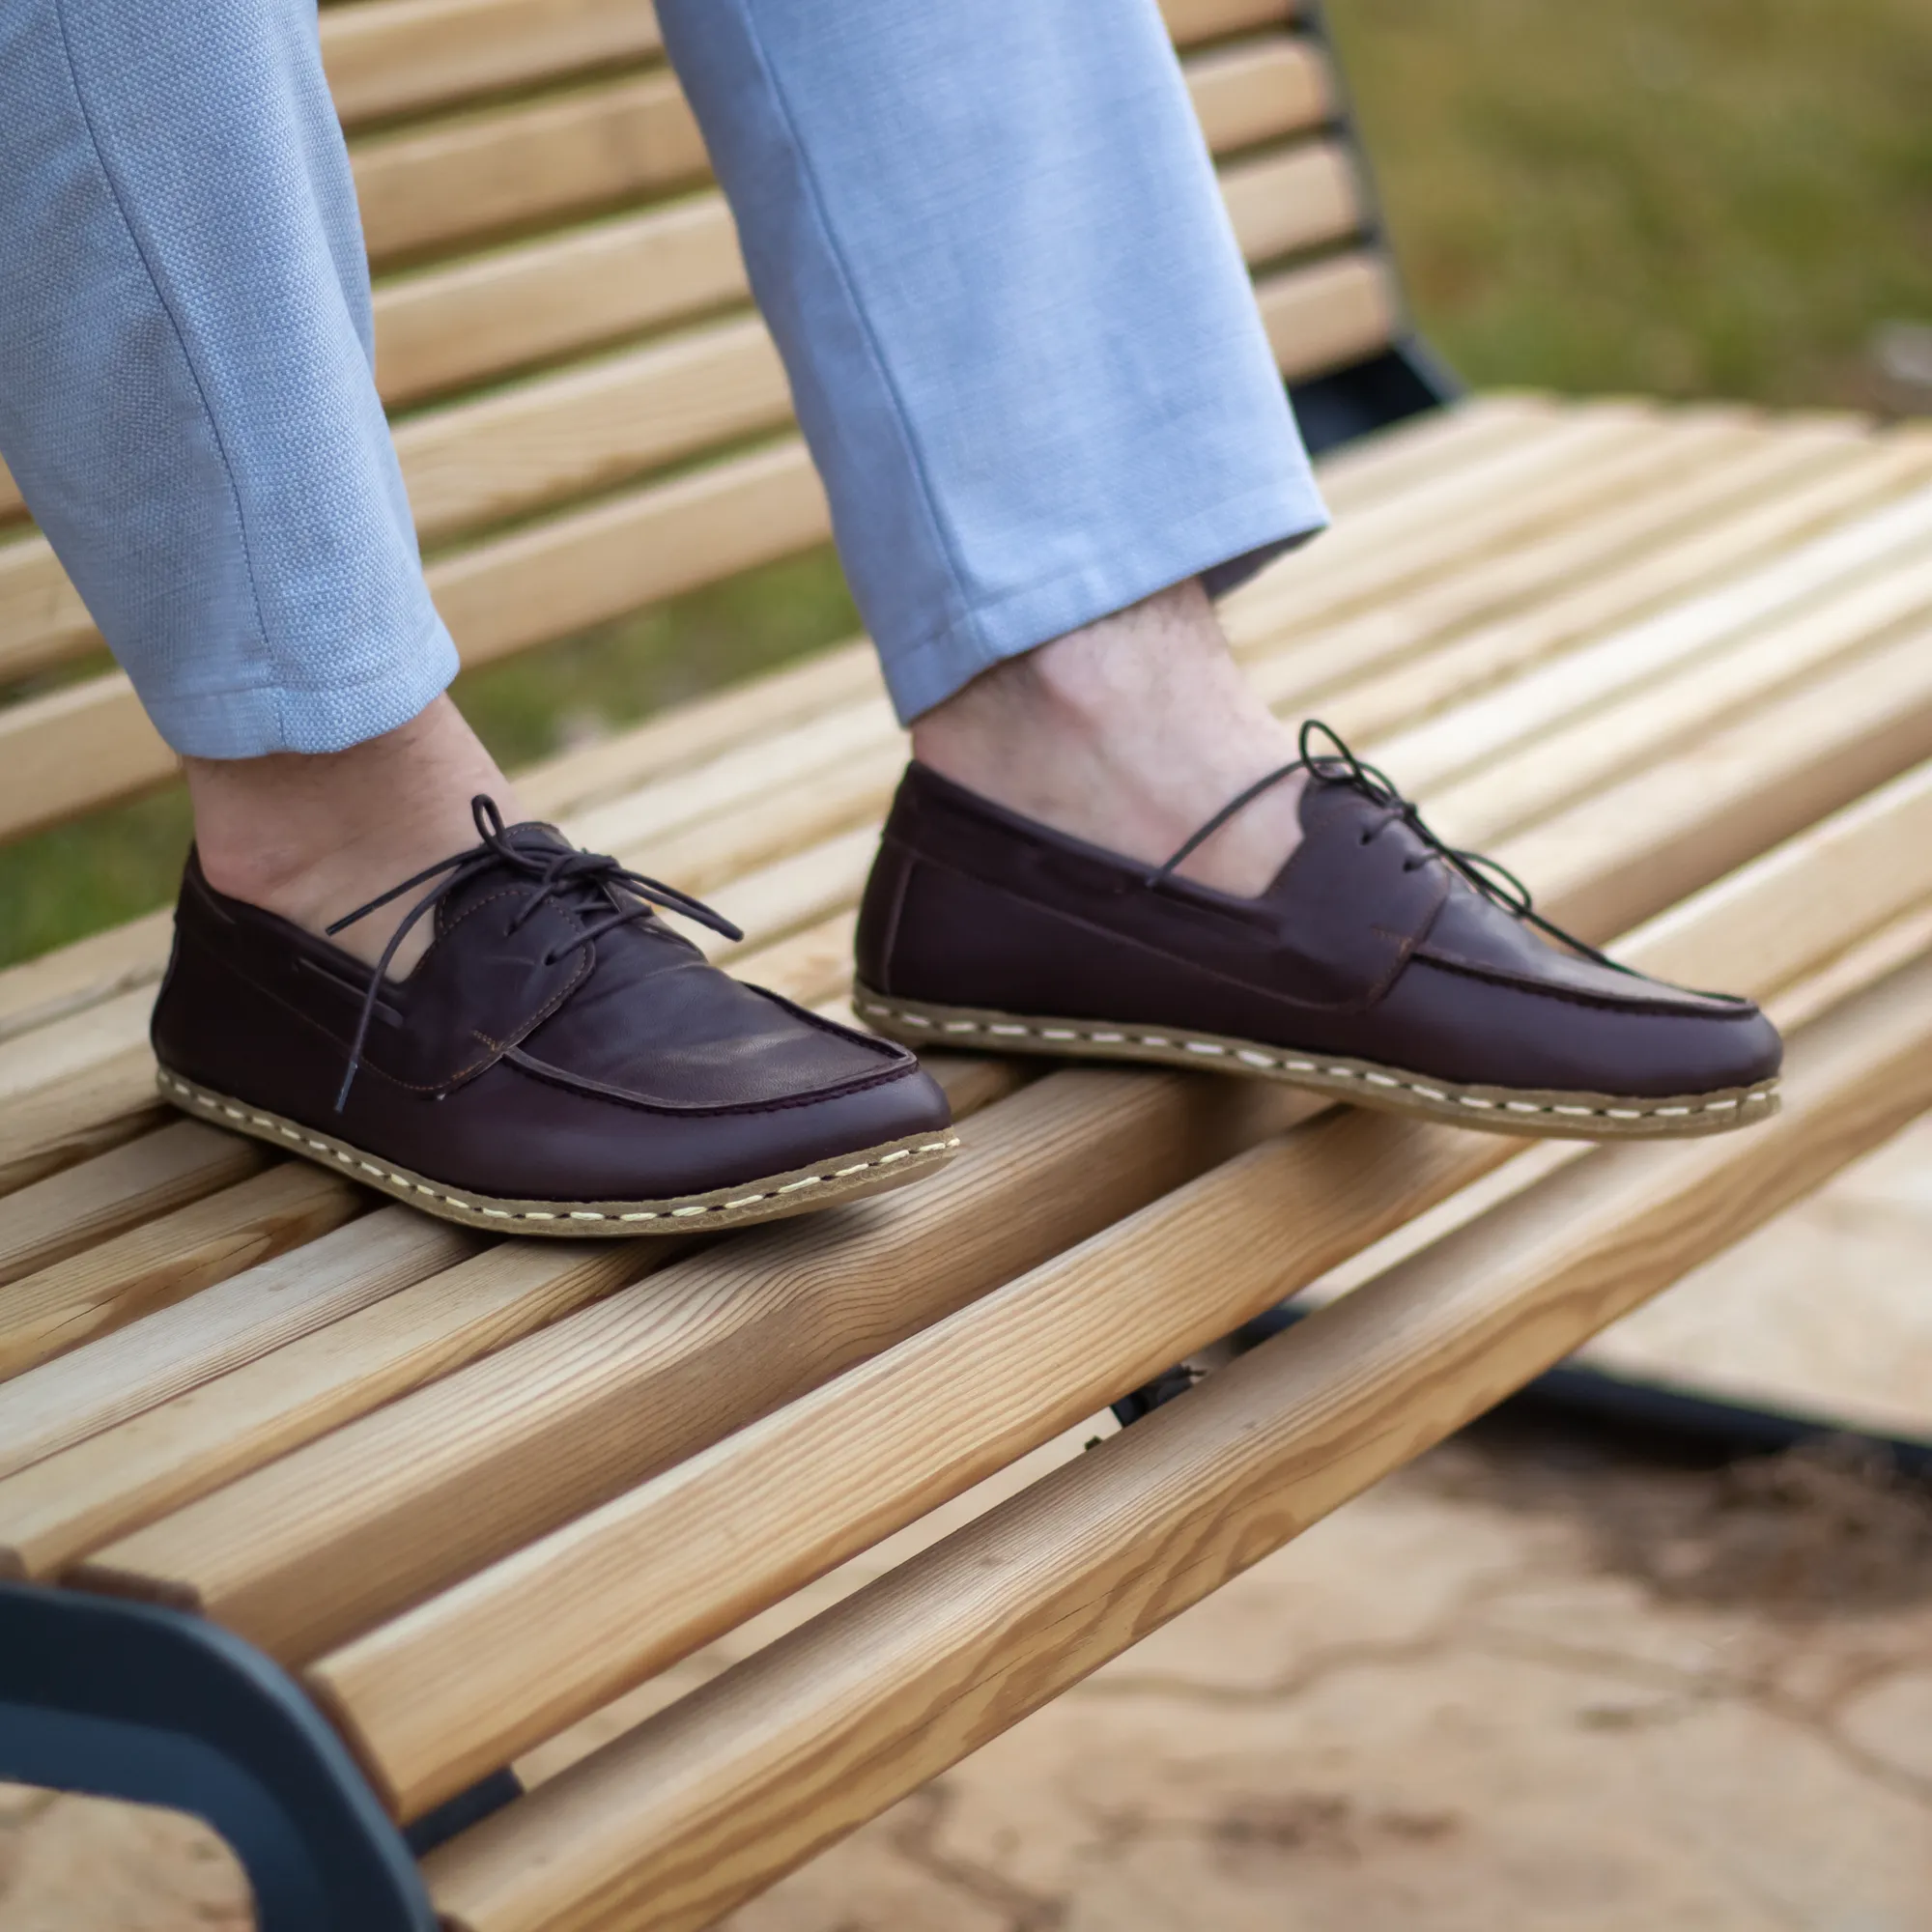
[1552, 1678]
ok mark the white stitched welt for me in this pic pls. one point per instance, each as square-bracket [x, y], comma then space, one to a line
[1007, 1029]
[214, 1106]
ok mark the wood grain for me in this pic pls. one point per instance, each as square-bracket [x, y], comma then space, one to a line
[57, 1308]
[671, 1826]
[174, 1349]
[1411, 652]
[501, 167]
[496, 168]
[515, 451]
[148, 1176]
[182, 1447]
[392, 57]
[570, 1416]
[395, 57]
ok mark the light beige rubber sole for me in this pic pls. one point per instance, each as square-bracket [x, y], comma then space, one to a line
[803, 1190]
[1502, 1110]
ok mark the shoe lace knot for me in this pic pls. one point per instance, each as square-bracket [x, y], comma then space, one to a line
[583, 880]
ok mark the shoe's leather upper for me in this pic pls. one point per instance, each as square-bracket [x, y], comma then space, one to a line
[1368, 944]
[542, 1048]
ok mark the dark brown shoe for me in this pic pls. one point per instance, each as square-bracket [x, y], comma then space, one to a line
[1380, 966]
[559, 1062]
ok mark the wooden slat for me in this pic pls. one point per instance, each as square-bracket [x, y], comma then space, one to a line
[390, 1536]
[573, 1414]
[1731, 499]
[161, 1171]
[489, 461]
[441, 329]
[672, 1825]
[42, 620]
[183, 1446]
[174, 1349]
[551, 1633]
[74, 749]
[509, 166]
[1325, 316]
[578, 569]
[83, 974]
[12, 503]
[1711, 806]
[60, 1307]
[85, 1112]
[1522, 497]
[392, 57]
[502, 167]
[1393, 658]
[1430, 754]
[1260, 90]
[1281, 203]
[1859, 871]
[1676, 711]
[683, 738]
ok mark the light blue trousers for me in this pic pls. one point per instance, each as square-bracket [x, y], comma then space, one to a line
[987, 239]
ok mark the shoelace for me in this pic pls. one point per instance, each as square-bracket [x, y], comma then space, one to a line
[1341, 766]
[552, 875]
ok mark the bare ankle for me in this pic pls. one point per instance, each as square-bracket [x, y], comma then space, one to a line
[1129, 733]
[313, 837]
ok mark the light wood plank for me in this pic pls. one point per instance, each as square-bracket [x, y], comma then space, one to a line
[71, 750]
[502, 167]
[441, 329]
[566, 1417]
[588, 565]
[1282, 204]
[83, 1113]
[1711, 806]
[1435, 753]
[83, 974]
[1326, 317]
[1615, 739]
[59, 1216]
[166, 1353]
[496, 168]
[1385, 665]
[680, 739]
[810, 966]
[58, 1308]
[392, 57]
[1860, 870]
[552, 1632]
[42, 620]
[671, 1827]
[486, 462]
[182, 1447]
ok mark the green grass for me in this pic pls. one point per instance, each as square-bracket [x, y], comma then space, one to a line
[1679, 197]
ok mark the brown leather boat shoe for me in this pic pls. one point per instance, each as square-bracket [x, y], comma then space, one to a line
[558, 1061]
[1381, 966]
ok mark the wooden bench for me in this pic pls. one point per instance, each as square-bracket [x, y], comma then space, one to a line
[318, 1514]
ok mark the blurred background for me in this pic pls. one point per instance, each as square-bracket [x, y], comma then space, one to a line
[1681, 198]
